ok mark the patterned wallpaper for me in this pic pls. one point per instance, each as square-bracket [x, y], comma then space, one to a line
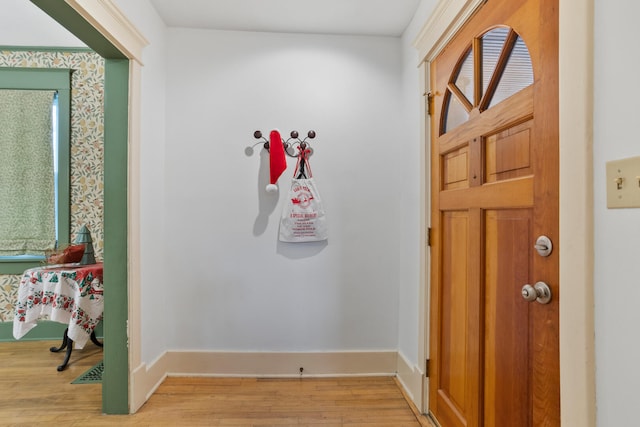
[87, 130]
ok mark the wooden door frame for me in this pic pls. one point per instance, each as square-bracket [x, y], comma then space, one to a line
[577, 345]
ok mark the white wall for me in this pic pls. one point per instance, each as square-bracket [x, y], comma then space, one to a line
[24, 24]
[617, 232]
[153, 286]
[233, 285]
[409, 284]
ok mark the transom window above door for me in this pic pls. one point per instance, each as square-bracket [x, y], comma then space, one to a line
[495, 66]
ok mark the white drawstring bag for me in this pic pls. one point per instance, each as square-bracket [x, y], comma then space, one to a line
[303, 217]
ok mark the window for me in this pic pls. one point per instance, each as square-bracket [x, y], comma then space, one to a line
[496, 66]
[59, 81]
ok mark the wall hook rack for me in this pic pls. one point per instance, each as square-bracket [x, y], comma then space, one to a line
[291, 143]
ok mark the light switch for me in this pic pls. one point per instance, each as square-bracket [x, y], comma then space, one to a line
[623, 183]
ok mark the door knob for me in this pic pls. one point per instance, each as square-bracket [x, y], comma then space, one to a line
[539, 292]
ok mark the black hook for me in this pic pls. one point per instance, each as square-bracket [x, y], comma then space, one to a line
[258, 135]
[294, 137]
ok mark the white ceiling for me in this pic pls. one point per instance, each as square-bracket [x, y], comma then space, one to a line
[354, 17]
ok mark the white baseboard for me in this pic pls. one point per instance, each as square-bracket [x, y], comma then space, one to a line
[410, 378]
[146, 379]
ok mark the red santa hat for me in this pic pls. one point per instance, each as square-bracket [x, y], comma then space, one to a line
[277, 160]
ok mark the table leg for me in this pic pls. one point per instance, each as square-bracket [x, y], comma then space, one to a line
[95, 340]
[66, 343]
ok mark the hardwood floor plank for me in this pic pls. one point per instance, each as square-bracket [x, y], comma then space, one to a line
[33, 392]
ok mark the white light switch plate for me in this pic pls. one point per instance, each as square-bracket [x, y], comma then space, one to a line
[623, 183]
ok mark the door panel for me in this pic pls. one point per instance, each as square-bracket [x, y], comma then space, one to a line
[454, 331]
[506, 342]
[494, 177]
[456, 169]
[508, 153]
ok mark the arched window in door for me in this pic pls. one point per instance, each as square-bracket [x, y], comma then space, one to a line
[495, 66]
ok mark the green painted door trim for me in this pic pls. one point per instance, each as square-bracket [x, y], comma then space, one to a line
[115, 384]
[46, 330]
[58, 79]
[60, 11]
[115, 380]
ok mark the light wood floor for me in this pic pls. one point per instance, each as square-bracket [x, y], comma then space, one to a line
[33, 392]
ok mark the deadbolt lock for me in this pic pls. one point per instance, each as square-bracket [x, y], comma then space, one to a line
[543, 246]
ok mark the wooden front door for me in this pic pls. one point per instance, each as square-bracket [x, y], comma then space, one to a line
[494, 171]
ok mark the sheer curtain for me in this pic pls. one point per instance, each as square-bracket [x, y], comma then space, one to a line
[27, 193]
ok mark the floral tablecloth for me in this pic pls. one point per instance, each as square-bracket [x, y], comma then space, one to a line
[69, 294]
